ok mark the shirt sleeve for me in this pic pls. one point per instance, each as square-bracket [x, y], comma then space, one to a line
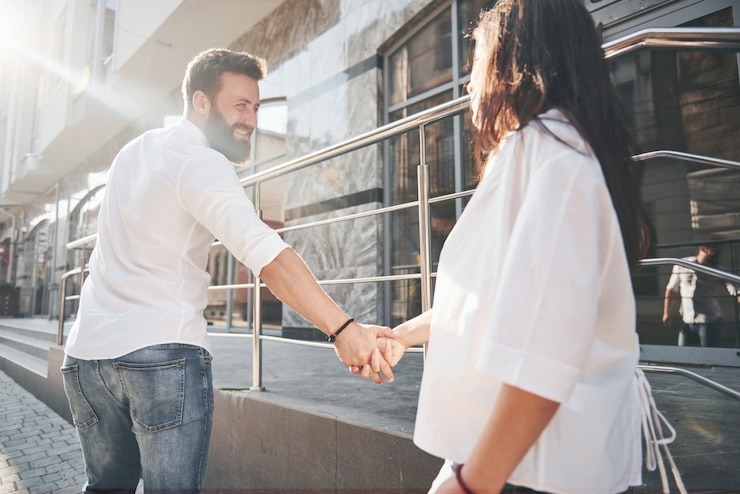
[732, 289]
[675, 280]
[543, 321]
[210, 191]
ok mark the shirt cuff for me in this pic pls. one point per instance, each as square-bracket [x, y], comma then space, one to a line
[530, 372]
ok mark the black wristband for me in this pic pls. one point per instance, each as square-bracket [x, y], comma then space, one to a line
[460, 481]
[332, 337]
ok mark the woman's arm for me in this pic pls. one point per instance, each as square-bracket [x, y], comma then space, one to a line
[514, 425]
[414, 331]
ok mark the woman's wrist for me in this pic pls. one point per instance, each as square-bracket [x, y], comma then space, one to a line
[400, 337]
[460, 481]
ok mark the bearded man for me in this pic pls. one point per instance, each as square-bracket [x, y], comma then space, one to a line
[137, 368]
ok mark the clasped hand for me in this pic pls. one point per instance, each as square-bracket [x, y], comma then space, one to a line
[358, 346]
[389, 351]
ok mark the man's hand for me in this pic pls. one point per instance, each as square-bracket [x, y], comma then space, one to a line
[391, 350]
[667, 319]
[357, 346]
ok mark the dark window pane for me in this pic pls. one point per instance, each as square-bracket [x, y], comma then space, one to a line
[424, 62]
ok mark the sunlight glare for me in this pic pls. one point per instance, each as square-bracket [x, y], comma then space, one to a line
[11, 28]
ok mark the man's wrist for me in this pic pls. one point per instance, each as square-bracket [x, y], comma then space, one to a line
[333, 337]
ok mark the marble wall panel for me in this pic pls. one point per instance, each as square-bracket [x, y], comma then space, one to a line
[288, 29]
[347, 249]
[328, 54]
[328, 66]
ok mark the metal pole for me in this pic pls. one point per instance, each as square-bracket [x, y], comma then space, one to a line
[257, 318]
[692, 375]
[60, 326]
[9, 274]
[425, 262]
[229, 292]
[55, 246]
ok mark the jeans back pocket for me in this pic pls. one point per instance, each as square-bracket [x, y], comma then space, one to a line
[83, 415]
[156, 392]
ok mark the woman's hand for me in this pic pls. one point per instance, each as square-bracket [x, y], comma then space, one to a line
[391, 349]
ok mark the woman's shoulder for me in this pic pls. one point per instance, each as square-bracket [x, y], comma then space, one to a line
[553, 129]
[553, 140]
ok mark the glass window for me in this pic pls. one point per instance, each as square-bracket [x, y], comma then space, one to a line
[423, 62]
[686, 101]
[427, 69]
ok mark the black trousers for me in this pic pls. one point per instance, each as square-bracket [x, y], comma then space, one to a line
[515, 489]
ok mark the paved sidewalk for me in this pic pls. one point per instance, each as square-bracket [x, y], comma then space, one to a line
[39, 452]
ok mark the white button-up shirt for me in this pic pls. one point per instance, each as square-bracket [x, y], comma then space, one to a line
[168, 197]
[533, 290]
[699, 293]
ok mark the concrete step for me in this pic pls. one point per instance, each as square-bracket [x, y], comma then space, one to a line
[30, 362]
[27, 344]
[41, 329]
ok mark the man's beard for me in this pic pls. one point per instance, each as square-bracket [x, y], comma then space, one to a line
[221, 138]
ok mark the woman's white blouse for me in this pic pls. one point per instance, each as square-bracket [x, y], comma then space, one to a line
[533, 290]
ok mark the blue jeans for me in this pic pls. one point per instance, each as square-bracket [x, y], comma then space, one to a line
[144, 415]
[700, 334]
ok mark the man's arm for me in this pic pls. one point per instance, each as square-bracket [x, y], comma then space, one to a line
[670, 296]
[288, 277]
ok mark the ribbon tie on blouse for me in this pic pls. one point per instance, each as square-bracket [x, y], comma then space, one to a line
[654, 436]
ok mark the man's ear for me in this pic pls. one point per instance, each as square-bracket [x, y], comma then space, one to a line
[201, 103]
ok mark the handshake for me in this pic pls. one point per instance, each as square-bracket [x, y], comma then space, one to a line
[372, 351]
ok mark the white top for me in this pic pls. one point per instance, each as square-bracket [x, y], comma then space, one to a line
[168, 196]
[698, 292]
[533, 290]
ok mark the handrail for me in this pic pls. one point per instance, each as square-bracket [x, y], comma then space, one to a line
[693, 38]
[62, 300]
[694, 158]
[81, 241]
[411, 122]
[676, 38]
[695, 266]
[692, 375]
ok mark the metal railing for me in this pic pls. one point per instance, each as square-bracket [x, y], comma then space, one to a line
[661, 38]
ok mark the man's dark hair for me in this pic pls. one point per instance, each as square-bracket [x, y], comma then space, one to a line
[204, 71]
[547, 54]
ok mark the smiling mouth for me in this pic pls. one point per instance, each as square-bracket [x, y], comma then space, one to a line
[243, 133]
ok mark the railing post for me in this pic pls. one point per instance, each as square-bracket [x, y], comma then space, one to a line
[81, 257]
[257, 317]
[62, 300]
[425, 262]
[229, 292]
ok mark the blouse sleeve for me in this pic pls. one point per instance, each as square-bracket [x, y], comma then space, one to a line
[543, 319]
[212, 194]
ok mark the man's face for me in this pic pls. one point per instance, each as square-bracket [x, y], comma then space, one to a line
[233, 116]
[709, 255]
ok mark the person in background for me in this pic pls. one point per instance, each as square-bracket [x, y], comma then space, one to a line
[137, 370]
[699, 294]
[530, 381]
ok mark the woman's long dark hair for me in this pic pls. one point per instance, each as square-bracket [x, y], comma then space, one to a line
[543, 54]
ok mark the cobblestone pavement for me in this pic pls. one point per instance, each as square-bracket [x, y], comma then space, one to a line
[39, 452]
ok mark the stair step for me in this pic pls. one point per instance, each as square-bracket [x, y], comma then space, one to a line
[32, 363]
[41, 329]
[27, 344]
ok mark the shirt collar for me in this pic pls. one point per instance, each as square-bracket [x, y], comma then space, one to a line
[192, 131]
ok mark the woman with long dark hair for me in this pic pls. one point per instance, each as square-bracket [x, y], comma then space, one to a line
[531, 381]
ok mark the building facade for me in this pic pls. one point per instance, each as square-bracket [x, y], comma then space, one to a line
[79, 78]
